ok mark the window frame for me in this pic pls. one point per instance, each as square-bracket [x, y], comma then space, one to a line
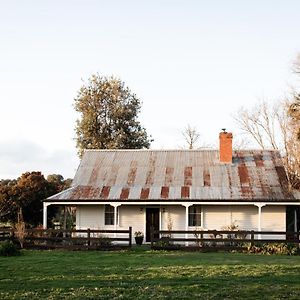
[195, 216]
[109, 215]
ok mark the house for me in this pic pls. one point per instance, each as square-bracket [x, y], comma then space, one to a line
[180, 189]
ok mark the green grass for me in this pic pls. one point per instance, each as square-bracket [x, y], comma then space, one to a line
[145, 274]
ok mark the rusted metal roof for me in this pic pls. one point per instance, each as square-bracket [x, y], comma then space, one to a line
[179, 175]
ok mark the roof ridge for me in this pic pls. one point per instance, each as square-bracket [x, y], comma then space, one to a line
[177, 150]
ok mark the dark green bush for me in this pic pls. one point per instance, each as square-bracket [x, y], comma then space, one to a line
[8, 248]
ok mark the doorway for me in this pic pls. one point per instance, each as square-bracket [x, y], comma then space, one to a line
[152, 220]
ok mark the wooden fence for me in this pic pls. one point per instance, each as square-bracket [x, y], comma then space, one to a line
[88, 239]
[223, 239]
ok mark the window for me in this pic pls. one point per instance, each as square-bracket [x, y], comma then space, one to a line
[195, 215]
[109, 215]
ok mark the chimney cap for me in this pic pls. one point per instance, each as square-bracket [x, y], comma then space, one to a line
[224, 130]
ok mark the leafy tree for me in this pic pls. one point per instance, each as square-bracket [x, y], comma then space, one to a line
[58, 183]
[109, 112]
[7, 207]
[22, 198]
[30, 190]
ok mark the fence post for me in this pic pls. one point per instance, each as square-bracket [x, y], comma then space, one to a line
[89, 237]
[151, 236]
[130, 237]
[252, 237]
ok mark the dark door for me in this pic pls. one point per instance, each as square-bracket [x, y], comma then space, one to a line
[152, 220]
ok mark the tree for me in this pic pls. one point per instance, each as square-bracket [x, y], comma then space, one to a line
[29, 192]
[272, 127]
[294, 109]
[22, 199]
[7, 208]
[191, 136]
[58, 183]
[109, 113]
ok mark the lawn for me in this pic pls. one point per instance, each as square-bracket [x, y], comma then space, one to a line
[145, 274]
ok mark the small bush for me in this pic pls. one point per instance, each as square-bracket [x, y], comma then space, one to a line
[8, 248]
[103, 242]
[270, 248]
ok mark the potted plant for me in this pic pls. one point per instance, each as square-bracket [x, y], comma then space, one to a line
[139, 237]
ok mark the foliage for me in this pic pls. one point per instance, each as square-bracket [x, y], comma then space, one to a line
[6, 206]
[144, 274]
[20, 232]
[103, 242]
[198, 236]
[109, 113]
[58, 183]
[138, 233]
[8, 248]
[272, 248]
[24, 196]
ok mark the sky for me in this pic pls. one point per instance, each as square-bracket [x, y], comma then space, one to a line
[189, 62]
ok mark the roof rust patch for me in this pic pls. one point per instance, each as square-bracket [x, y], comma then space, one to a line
[132, 173]
[258, 159]
[243, 174]
[188, 174]
[145, 193]
[283, 181]
[151, 171]
[124, 193]
[229, 180]
[206, 177]
[185, 192]
[164, 194]
[113, 175]
[105, 192]
[245, 181]
[169, 176]
[93, 177]
[246, 191]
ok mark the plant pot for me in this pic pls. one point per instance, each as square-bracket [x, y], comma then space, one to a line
[139, 240]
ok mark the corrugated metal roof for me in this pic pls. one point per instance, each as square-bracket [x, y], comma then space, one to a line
[165, 175]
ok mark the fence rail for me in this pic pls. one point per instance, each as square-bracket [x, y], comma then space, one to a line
[219, 238]
[71, 239]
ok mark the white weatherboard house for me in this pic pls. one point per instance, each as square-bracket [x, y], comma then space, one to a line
[181, 189]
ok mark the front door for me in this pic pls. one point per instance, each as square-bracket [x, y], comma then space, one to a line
[152, 220]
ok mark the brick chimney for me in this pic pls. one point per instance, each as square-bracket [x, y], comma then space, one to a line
[225, 147]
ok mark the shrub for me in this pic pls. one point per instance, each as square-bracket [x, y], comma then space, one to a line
[272, 248]
[104, 242]
[8, 248]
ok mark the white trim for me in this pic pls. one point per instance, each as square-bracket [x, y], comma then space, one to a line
[160, 217]
[172, 203]
[187, 205]
[45, 205]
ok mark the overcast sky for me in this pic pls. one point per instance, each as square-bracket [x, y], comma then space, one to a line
[190, 62]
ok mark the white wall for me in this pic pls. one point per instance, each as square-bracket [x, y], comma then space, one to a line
[214, 217]
[90, 216]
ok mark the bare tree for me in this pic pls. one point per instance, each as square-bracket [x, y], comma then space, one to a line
[191, 136]
[296, 65]
[260, 124]
[272, 127]
[294, 108]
